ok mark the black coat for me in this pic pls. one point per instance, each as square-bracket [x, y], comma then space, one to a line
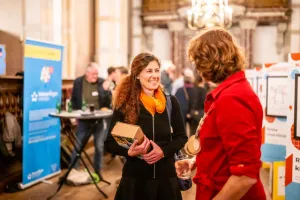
[199, 96]
[164, 168]
[104, 95]
[184, 102]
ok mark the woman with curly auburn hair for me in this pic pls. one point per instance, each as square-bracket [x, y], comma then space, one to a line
[139, 100]
[228, 164]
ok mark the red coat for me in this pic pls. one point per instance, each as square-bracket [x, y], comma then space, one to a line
[230, 139]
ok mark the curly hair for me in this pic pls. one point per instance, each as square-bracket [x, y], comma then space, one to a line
[127, 93]
[216, 55]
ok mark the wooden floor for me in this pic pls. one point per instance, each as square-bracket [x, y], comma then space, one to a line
[111, 172]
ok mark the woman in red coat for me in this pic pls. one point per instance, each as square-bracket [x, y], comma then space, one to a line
[228, 164]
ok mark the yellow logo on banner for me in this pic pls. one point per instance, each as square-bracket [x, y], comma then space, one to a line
[33, 51]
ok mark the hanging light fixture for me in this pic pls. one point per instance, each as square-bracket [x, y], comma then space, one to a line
[209, 13]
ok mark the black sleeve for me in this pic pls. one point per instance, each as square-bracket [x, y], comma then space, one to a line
[73, 98]
[179, 135]
[110, 143]
[195, 98]
[177, 94]
[198, 99]
[202, 97]
[106, 96]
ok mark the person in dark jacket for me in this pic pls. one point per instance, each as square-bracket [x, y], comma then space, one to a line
[92, 90]
[139, 100]
[185, 95]
[167, 77]
[197, 104]
[121, 71]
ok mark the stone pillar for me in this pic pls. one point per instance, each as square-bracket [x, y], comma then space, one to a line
[43, 20]
[136, 44]
[280, 40]
[236, 32]
[50, 20]
[177, 47]
[69, 39]
[33, 19]
[57, 20]
[147, 39]
[188, 35]
[161, 43]
[295, 27]
[111, 36]
[247, 30]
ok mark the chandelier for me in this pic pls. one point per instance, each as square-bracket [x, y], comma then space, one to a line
[209, 13]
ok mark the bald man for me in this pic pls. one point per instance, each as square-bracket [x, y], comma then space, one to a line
[93, 90]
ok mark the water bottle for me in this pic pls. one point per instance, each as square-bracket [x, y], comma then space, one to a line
[58, 107]
[83, 107]
[70, 109]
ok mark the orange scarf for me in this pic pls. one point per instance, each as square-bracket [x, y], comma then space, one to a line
[154, 104]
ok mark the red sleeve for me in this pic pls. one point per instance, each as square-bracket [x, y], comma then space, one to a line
[238, 124]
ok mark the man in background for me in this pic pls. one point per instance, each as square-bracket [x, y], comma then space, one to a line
[121, 73]
[91, 89]
[179, 81]
[167, 77]
[112, 76]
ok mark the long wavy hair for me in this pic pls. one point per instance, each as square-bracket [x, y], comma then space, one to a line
[216, 54]
[127, 93]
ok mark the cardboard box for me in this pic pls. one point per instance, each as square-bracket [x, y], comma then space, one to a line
[125, 134]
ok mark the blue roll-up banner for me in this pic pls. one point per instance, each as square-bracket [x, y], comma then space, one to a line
[42, 91]
[2, 59]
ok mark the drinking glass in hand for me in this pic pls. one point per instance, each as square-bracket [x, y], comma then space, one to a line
[183, 166]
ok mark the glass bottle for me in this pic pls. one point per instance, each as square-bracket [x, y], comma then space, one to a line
[58, 107]
[83, 106]
[70, 109]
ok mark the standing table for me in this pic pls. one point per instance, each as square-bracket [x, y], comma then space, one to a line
[92, 119]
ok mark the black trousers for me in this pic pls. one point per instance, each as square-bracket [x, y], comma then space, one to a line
[154, 189]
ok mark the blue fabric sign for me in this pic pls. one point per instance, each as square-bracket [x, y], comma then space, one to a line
[42, 90]
[2, 60]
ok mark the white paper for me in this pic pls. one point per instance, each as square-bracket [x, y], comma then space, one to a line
[275, 133]
[277, 96]
[94, 93]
